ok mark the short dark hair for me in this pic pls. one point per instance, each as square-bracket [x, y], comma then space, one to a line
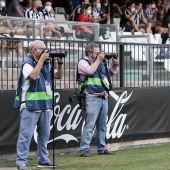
[147, 3]
[90, 48]
[43, 2]
[129, 3]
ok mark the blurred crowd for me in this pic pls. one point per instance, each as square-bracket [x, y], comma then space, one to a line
[146, 16]
[149, 16]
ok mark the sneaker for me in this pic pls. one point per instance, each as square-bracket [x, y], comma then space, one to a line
[22, 167]
[85, 154]
[106, 152]
[48, 164]
[142, 31]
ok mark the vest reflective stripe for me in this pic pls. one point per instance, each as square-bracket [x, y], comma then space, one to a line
[17, 98]
[38, 96]
[105, 84]
[80, 86]
[94, 81]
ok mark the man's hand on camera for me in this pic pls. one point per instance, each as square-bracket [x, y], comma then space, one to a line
[101, 56]
[44, 56]
[60, 59]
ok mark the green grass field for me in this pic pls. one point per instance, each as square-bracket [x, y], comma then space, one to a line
[145, 158]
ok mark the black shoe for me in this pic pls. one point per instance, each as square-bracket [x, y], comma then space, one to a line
[85, 154]
[106, 152]
[22, 167]
[46, 165]
[164, 37]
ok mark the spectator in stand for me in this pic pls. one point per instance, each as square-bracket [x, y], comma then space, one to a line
[150, 13]
[117, 8]
[105, 8]
[35, 12]
[77, 10]
[153, 6]
[3, 11]
[55, 30]
[127, 22]
[5, 27]
[165, 23]
[15, 9]
[85, 31]
[26, 4]
[98, 15]
[140, 19]
[72, 4]
[161, 10]
[39, 12]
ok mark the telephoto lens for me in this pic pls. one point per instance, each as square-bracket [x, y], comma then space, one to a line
[60, 53]
[111, 55]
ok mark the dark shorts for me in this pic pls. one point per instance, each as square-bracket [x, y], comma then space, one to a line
[82, 35]
[128, 28]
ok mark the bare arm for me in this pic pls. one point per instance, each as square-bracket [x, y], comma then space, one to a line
[95, 65]
[18, 11]
[59, 73]
[29, 24]
[132, 17]
[143, 19]
[86, 29]
[9, 24]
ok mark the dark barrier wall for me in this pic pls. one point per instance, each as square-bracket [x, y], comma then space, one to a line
[133, 114]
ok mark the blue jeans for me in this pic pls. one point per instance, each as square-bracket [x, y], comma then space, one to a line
[96, 114]
[28, 122]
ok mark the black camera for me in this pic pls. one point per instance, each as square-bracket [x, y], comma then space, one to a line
[60, 53]
[111, 55]
[81, 98]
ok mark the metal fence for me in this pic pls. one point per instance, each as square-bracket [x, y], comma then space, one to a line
[140, 64]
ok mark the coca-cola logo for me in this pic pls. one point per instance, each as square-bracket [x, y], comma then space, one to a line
[115, 122]
[117, 117]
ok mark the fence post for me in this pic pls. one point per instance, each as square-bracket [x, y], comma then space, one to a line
[96, 32]
[41, 31]
[121, 64]
[150, 61]
[34, 28]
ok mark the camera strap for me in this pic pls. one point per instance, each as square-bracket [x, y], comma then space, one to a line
[107, 74]
[78, 76]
